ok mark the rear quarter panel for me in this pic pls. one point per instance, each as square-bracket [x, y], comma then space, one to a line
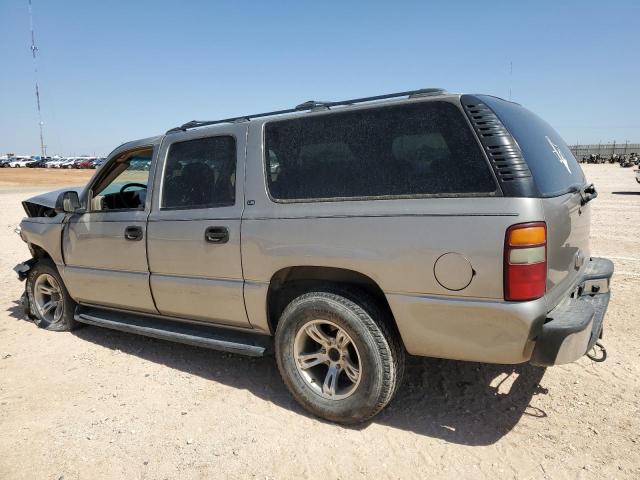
[394, 242]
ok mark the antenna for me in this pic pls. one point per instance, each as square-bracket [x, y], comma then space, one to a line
[510, 76]
[34, 50]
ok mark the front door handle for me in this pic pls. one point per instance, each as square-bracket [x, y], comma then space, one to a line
[216, 234]
[133, 233]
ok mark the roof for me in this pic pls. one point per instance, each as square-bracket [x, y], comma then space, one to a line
[314, 105]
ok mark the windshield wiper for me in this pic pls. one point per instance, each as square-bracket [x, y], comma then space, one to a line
[587, 194]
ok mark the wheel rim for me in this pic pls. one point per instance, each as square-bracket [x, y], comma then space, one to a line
[327, 359]
[47, 297]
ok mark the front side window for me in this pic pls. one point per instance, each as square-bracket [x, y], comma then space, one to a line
[200, 173]
[124, 187]
[410, 150]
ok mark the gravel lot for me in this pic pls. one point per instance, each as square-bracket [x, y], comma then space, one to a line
[103, 404]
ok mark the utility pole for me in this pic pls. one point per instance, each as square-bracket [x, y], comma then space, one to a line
[34, 50]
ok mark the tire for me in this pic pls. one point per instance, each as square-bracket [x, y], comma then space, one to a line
[373, 348]
[44, 276]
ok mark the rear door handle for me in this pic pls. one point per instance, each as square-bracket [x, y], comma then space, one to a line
[216, 234]
[133, 233]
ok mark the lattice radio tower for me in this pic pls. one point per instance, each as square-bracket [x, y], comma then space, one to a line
[34, 51]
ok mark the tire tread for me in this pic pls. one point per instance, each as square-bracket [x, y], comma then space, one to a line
[388, 342]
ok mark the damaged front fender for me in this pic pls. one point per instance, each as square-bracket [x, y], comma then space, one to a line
[22, 269]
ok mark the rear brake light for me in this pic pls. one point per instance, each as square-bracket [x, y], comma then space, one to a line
[525, 261]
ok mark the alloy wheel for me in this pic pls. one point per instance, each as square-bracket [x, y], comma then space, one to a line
[47, 296]
[327, 359]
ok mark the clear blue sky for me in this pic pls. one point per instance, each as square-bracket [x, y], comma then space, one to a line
[117, 70]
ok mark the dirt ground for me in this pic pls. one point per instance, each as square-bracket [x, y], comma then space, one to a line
[104, 404]
[45, 177]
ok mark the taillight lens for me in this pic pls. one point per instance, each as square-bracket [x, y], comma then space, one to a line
[525, 261]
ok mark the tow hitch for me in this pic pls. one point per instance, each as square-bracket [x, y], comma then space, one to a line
[597, 353]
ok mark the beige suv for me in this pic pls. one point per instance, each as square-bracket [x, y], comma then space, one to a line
[341, 235]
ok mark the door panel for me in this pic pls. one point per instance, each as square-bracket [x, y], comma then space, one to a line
[200, 298]
[104, 249]
[101, 266]
[179, 247]
[196, 269]
[193, 278]
[125, 290]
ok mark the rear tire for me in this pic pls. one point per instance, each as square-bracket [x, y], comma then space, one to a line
[50, 305]
[337, 355]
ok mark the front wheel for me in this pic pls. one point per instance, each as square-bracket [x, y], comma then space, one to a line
[337, 355]
[49, 302]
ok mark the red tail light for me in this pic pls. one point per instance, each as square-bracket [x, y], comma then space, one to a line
[525, 261]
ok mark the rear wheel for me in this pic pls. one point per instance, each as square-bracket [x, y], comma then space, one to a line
[337, 355]
[50, 304]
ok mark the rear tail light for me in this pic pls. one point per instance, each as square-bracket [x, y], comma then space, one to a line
[525, 261]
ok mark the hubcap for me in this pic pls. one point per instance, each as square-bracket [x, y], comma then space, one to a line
[47, 297]
[327, 359]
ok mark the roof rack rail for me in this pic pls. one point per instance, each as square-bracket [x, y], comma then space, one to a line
[310, 105]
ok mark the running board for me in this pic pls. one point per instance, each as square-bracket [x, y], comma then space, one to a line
[198, 335]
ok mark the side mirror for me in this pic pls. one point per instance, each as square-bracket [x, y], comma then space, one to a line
[68, 202]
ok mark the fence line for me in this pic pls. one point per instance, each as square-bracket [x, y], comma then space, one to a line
[604, 149]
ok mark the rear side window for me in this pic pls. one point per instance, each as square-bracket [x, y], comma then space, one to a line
[410, 150]
[553, 166]
[200, 173]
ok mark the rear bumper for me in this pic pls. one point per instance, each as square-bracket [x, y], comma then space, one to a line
[573, 327]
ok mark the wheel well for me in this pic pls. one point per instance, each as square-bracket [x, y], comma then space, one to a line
[291, 282]
[39, 252]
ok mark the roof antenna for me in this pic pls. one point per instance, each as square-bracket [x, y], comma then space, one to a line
[510, 77]
[34, 50]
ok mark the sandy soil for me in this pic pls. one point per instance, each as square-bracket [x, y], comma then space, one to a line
[103, 404]
[45, 177]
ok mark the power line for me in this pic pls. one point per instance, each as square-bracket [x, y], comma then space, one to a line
[34, 50]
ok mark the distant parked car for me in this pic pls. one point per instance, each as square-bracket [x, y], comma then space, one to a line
[20, 162]
[4, 162]
[55, 163]
[68, 163]
[38, 163]
[84, 163]
[139, 165]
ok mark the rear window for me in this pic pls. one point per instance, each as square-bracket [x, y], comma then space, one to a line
[553, 166]
[417, 149]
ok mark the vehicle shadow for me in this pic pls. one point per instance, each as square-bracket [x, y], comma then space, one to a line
[460, 402]
[626, 193]
[16, 310]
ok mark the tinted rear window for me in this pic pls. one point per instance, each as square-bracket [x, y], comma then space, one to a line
[417, 149]
[553, 166]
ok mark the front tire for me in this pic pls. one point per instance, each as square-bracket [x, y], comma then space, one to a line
[337, 355]
[49, 302]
